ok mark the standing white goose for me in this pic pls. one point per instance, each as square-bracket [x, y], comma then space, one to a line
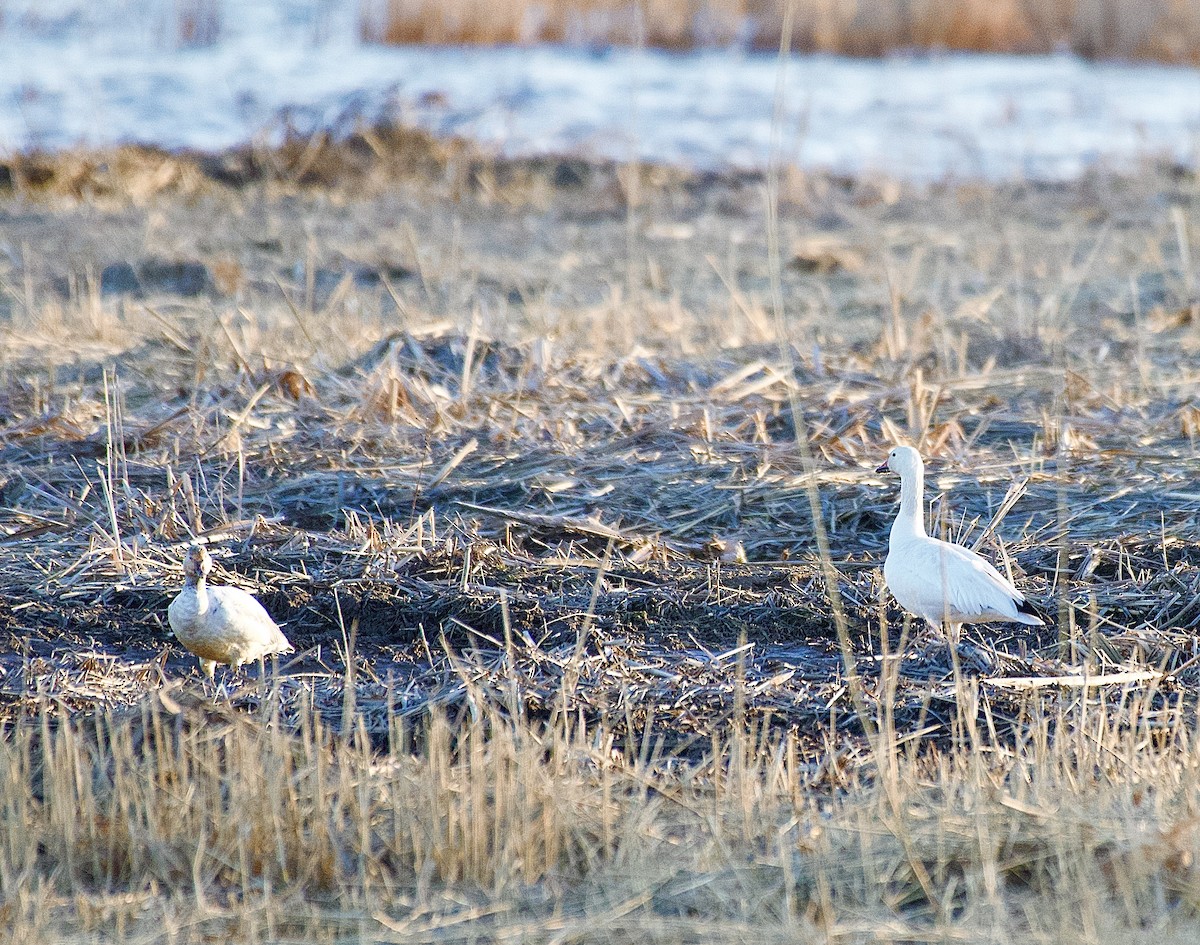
[934, 579]
[221, 624]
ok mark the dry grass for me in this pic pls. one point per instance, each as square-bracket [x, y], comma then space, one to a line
[494, 440]
[185, 822]
[1163, 30]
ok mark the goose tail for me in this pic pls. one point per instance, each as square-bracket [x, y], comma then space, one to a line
[1029, 615]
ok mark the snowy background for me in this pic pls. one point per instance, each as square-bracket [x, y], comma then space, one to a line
[73, 72]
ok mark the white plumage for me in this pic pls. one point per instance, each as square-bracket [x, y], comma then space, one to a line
[934, 579]
[221, 624]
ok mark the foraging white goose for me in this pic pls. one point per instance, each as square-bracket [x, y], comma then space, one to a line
[934, 579]
[221, 624]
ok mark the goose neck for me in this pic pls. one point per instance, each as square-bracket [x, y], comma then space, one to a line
[198, 587]
[911, 519]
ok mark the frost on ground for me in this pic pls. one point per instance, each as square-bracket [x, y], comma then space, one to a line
[107, 73]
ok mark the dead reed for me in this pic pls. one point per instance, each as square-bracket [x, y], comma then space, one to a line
[1155, 30]
[1162, 30]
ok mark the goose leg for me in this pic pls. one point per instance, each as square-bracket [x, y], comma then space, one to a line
[240, 679]
[208, 672]
[223, 688]
[927, 637]
[950, 634]
[981, 659]
[263, 678]
[932, 631]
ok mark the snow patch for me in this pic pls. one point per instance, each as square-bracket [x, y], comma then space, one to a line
[114, 71]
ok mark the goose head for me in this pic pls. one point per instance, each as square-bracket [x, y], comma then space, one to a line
[197, 564]
[902, 460]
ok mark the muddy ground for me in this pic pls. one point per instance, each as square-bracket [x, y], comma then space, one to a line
[527, 432]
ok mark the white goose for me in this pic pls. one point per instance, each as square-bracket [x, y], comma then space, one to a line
[934, 579]
[221, 624]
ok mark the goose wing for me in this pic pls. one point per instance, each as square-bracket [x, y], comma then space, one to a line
[246, 624]
[982, 570]
[941, 581]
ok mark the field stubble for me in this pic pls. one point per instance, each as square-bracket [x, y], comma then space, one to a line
[510, 449]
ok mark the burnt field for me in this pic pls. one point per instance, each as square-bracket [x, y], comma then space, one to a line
[533, 447]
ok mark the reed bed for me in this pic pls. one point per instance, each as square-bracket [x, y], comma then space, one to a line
[1128, 30]
[512, 453]
[1161, 30]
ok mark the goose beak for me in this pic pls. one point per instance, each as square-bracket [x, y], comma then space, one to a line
[883, 467]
